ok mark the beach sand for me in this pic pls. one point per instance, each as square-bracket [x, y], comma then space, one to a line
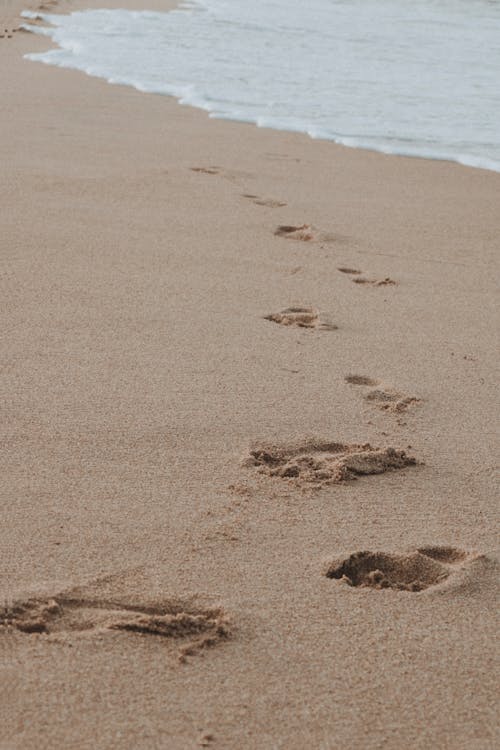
[205, 419]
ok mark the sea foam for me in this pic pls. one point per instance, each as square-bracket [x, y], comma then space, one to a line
[411, 78]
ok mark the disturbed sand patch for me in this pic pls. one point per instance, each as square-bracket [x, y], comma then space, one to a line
[301, 317]
[320, 462]
[415, 571]
[200, 627]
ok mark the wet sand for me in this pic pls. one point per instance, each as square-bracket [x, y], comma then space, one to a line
[232, 359]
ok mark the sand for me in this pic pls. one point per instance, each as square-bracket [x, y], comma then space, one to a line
[212, 534]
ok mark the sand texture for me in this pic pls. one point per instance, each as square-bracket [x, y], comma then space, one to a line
[248, 449]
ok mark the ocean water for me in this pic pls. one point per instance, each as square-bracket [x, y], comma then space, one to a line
[413, 77]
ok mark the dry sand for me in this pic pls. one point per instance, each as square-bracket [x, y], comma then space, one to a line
[186, 485]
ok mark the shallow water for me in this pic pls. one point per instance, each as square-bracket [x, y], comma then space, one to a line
[419, 78]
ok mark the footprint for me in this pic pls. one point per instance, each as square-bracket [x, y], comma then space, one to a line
[306, 233]
[268, 202]
[171, 619]
[390, 400]
[351, 271]
[362, 280]
[360, 380]
[322, 462]
[280, 157]
[301, 317]
[374, 282]
[383, 397]
[7, 29]
[302, 233]
[232, 176]
[206, 170]
[416, 571]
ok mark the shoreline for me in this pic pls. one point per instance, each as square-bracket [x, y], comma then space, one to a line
[470, 161]
[151, 281]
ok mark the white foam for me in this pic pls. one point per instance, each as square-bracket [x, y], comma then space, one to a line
[397, 76]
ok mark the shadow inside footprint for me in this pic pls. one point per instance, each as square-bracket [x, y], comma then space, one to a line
[414, 572]
[301, 317]
[321, 462]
